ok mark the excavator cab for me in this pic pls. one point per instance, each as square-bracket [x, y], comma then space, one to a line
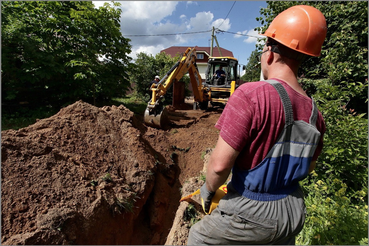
[226, 64]
[221, 84]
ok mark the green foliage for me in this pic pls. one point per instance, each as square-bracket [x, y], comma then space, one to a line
[203, 177]
[146, 68]
[252, 72]
[133, 102]
[107, 178]
[191, 215]
[174, 131]
[334, 216]
[94, 183]
[24, 117]
[54, 53]
[337, 191]
[203, 155]
[345, 151]
[126, 204]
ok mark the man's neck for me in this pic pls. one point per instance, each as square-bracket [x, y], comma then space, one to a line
[285, 73]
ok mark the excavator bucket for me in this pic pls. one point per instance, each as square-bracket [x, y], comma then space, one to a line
[157, 117]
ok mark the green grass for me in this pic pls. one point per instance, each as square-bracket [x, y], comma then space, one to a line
[24, 118]
[202, 177]
[191, 215]
[133, 102]
[203, 155]
[127, 204]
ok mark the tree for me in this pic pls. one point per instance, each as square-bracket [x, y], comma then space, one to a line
[54, 53]
[252, 68]
[147, 67]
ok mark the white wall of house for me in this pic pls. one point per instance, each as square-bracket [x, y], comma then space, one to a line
[202, 69]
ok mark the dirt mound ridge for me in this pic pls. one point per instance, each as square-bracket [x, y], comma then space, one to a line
[57, 174]
[91, 175]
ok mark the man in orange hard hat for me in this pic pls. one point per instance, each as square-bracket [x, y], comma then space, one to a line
[271, 134]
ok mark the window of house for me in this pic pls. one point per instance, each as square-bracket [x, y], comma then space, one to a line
[200, 56]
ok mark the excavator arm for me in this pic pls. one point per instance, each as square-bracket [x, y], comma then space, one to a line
[156, 114]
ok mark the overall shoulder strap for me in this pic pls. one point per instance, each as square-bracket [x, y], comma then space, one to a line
[288, 112]
[314, 113]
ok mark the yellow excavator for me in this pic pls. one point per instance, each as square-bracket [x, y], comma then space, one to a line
[214, 90]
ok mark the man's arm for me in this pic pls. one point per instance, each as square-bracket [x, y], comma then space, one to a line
[220, 164]
[312, 166]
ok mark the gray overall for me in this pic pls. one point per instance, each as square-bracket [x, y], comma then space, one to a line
[255, 212]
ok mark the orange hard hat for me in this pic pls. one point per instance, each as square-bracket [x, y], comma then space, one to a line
[302, 28]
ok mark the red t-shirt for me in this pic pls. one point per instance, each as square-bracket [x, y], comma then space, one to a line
[254, 117]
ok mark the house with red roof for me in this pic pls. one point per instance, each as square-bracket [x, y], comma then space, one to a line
[202, 53]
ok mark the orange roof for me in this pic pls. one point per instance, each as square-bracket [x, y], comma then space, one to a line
[174, 50]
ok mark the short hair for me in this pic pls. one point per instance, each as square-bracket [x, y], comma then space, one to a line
[284, 51]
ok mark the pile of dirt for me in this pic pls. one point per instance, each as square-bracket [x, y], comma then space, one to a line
[90, 175]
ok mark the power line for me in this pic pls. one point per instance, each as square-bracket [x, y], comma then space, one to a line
[227, 14]
[186, 33]
[164, 34]
[239, 34]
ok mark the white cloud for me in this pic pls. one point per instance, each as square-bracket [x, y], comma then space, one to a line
[150, 50]
[253, 37]
[190, 3]
[148, 18]
[222, 24]
[99, 3]
[202, 21]
[147, 10]
[153, 44]
[240, 34]
[152, 18]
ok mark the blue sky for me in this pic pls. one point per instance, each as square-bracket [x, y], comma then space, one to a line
[152, 18]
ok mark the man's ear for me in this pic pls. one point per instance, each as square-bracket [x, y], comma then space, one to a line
[270, 57]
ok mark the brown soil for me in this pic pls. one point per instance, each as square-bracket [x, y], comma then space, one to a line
[90, 175]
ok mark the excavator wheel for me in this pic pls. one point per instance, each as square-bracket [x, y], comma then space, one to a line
[157, 117]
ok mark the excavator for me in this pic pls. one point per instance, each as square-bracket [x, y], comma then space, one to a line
[214, 90]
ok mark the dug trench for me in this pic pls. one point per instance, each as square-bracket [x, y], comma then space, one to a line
[90, 175]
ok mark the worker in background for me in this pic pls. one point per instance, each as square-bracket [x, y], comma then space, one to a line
[270, 142]
[155, 81]
[219, 76]
[219, 73]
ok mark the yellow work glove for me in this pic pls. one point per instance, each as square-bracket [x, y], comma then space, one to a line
[210, 200]
[206, 197]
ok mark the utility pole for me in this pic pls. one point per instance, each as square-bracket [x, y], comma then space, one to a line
[212, 43]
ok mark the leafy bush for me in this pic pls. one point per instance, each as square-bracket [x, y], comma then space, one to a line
[337, 191]
[345, 151]
[334, 216]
